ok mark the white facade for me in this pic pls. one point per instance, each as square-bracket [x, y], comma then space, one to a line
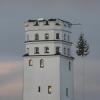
[48, 70]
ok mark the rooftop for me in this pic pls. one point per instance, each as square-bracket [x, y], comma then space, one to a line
[48, 19]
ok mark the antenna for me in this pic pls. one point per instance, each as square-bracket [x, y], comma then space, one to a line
[77, 24]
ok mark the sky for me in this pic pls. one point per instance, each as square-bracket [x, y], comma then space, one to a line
[13, 14]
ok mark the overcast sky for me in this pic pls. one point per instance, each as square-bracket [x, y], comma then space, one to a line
[13, 14]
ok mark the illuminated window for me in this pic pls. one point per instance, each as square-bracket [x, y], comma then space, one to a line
[39, 89]
[36, 50]
[46, 49]
[57, 36]
[49, 89]
[41, 63]
[46, 36]
[30, 62]
[36, 37]
[66, 91]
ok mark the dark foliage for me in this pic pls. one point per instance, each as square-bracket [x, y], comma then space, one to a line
[82, 46]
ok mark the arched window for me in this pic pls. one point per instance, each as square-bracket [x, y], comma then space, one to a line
[30, 62]
[57, 36]
[64, 36]
[69, 65]
[41, 63]
[36, 50]
[64, 50]
[68, 38]
[57, 22]
[57, 50]
[68, 51]
[46, 22]
[46, 49]
[36, 23]
[36, 37]
[27, 37]
[27, 50]
[46, 36]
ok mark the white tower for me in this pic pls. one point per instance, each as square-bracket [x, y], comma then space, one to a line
[48, 70]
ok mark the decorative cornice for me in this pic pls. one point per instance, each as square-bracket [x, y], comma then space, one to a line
[27, 55]
[49, 41]
[49, 29]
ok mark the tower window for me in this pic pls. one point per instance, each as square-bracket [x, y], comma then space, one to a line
[27, 50]
[46, 49]
[41, 63]
[36, 50]
[39, 89]
[36, 37]
[46, 23]
[66, 91]
[36, 23]
[46, 36]
[49, 89]
[26, 25]
[30, 62]
[57, 50]
[57, 22]
[57, 36]
[68, 37]
[69, 25]
[68, 52]
[27, 38]
[64, 36]
[69, 65]
[64, 50]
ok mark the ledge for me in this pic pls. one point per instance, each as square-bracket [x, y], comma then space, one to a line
[48, 40]
[27, 55]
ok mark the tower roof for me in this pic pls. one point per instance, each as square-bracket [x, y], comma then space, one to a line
[48, 19]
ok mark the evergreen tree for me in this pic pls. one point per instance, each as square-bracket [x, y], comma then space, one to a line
[82, 46]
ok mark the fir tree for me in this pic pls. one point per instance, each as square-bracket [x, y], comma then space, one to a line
[82, 46]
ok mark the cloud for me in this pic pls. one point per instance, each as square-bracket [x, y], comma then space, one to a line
[11, 74]
[8, 67]
[11, 88]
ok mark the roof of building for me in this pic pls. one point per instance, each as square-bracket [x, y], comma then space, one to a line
[48, 19]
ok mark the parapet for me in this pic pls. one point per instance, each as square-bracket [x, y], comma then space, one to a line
[49, 23]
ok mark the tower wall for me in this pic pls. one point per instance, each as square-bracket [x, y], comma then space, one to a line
[47, 75]
[34, 76]
[66, 79]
